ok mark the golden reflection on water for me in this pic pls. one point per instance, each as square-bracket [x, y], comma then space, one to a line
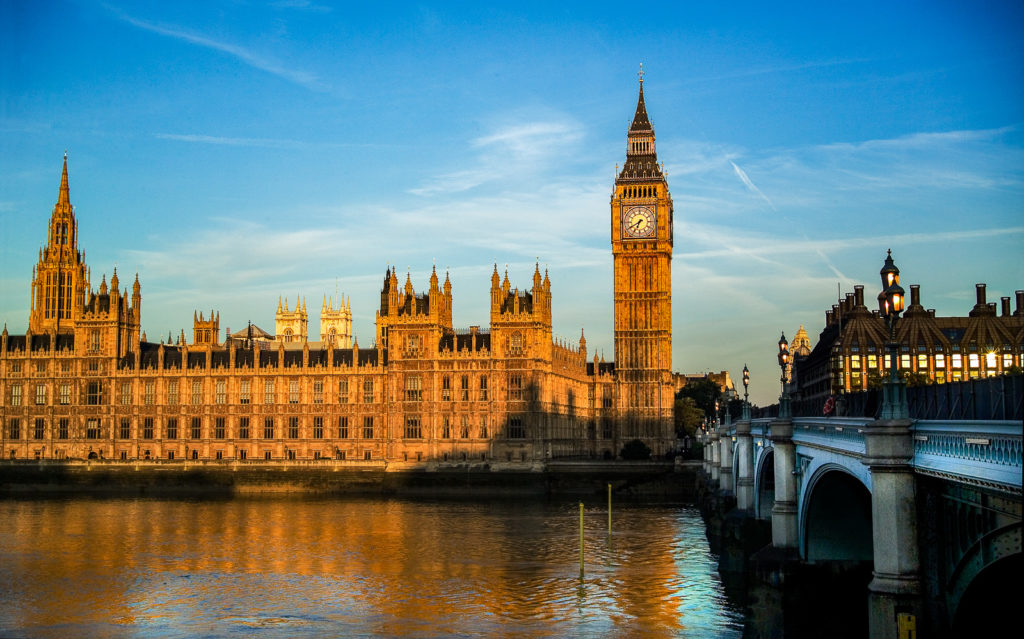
[293, 566]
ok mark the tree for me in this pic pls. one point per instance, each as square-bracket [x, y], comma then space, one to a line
[688, 417]
[635, 450]
[704, 393]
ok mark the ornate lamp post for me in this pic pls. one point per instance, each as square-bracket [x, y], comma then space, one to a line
[746, 383]
[890, 305]
[784, 406]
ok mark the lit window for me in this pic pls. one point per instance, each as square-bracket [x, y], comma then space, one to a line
[413, 392]
[126, 394]
[244, 391]
[40, 394]
[293, 391]
[172, 393]
[940, 360]
[222, 391]
[150, 393]
[990, 360]
[974, 360]
[268, 391]
[197, 392]
[412, 427]
[515, 386]
[446, 388]
[956, 361]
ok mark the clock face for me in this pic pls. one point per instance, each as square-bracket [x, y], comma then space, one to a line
[639, 221]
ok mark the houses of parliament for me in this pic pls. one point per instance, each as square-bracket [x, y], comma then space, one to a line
[83, 382]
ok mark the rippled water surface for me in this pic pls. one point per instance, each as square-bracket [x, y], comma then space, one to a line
[319, 567]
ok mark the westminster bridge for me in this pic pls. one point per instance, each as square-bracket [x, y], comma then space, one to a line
[931, 503]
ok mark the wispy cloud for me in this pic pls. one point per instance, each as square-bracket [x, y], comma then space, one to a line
[227, 141]
[301, 5]
[507, 152]
[750, 185]
[303, 78]
[759, 245]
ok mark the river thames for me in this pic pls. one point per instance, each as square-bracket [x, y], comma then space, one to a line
[300, 566]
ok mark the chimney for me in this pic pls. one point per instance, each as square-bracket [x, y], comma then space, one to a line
[858, 295]
[915, 294]
[981, 294]
[1006, 306]
[1020, 302]
[848, 302]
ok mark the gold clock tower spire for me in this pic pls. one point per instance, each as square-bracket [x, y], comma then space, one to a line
[641, 211]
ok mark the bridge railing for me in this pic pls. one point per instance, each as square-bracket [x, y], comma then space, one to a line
[986, 452]
[981, 452]
[840, 433]
[999, 398]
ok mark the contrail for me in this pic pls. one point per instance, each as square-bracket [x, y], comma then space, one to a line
[750, 185]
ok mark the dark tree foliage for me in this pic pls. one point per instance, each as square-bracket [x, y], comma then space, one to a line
[704, 393]
[635, 450]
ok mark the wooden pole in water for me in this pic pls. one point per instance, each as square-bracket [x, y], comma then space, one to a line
[609, 510]
[581, 541]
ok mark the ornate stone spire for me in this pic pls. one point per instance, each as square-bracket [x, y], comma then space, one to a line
[64, 197]
[640, 120]
[641, 153]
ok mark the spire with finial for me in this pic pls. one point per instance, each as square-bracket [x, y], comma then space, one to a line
[64, 197]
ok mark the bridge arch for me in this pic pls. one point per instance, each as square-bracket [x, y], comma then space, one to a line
[764, 483]
[978, 585]
[835, 517]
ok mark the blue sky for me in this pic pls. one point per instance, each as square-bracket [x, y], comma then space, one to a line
[232, 152]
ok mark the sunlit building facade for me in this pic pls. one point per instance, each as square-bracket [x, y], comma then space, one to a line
[851, 351]
[84, 382]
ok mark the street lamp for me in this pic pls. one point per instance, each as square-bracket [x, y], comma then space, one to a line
[890, 305]
[746, 383]
[784, 405]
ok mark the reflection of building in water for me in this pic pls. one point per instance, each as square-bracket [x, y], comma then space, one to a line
[449, 568]
[85, 382]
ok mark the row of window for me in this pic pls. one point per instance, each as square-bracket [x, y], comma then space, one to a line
[246, 395]
[94, 393]
[192, 428]
[939, 361]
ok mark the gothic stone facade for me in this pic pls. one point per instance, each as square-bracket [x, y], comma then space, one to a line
[83, 381]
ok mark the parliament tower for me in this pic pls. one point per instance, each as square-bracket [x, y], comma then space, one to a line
[59, 280]
[641, 216]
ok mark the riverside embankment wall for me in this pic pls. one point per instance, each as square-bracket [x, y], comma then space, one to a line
[656, 482]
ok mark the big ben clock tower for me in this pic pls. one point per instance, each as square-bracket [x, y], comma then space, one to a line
[641, 216]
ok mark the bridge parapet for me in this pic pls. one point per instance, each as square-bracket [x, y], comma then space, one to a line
[844, 434]
[986, 453]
